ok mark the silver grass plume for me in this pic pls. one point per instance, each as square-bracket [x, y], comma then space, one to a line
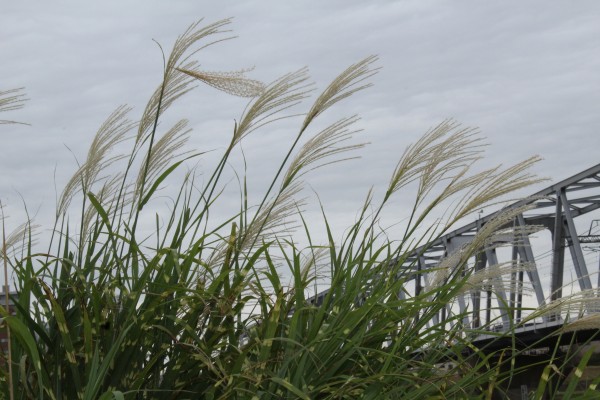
[312, 267]
[467, 184]
[580, 303]
[10, 100]
[442, 150]
[282, 94]
[176, 83]
[164, 151]
[500, 276]
[321, 149]
[271, 222]
[273, 219]
[497, 225]
[494, 184]
[447, 265]
[449, 158]
[511, 236]
[107, 197]
[445, 155]
[19, 237]
[232, 82]
[458, 258]
[112, 132]
[588, 322]
[312, 263]
[346, 84]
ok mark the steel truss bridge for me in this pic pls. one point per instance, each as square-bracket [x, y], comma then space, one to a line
[568, 266]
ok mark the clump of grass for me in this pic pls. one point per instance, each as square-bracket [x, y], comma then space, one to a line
[204, 312]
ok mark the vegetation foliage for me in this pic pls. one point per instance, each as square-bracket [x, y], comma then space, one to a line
[202, 308]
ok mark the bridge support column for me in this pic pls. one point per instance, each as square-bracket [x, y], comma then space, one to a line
[575, 246]
[527, 254]
[480, 261]
[516, 285]
[500, 293]
[558, 252]
[558, 255]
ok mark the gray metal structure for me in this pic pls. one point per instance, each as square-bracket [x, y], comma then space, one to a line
[556, 208]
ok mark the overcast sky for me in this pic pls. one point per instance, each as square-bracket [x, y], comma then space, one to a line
[526, 73]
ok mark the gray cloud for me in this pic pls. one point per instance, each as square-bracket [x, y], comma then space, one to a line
[526, 73]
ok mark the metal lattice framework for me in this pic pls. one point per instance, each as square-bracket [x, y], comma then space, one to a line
[556, 209]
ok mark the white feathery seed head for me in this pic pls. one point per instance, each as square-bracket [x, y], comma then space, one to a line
[10, 100]
[234, 82]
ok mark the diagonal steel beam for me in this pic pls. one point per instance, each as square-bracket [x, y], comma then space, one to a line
[527, 254]
[503, 305]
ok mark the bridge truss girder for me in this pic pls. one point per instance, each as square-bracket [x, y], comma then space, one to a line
[555, 208]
